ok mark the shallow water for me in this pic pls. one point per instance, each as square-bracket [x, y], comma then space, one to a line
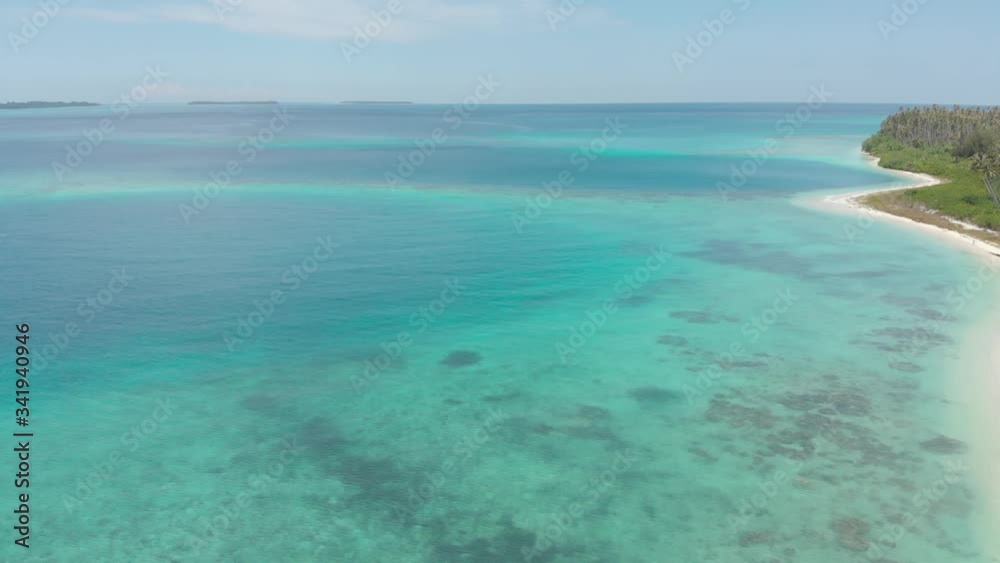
[639, 369]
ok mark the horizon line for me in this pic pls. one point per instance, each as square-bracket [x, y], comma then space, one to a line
[405, 102]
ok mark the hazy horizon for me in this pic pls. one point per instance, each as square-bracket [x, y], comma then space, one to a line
[525, 103]
[540, 51]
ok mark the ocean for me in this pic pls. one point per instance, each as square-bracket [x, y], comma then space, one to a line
[447, 334]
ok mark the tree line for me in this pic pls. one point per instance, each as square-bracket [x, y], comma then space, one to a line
[971, 133]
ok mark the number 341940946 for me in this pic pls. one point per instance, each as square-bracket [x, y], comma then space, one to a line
[22, 361]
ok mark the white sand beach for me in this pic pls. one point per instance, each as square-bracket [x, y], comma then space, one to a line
[978, 373]
[850, 203]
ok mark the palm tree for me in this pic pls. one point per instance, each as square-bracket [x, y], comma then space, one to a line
[938, 125]
[988, 166]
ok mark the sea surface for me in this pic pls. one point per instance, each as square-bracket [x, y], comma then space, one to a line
[496, 334]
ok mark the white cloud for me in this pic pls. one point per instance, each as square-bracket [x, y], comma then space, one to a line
[329, 20]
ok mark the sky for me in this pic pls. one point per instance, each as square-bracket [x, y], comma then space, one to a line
[533, 51]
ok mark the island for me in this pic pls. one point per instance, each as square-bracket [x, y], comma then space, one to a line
[241, 103]
[376, 102]
[960, 148]
[41, 105]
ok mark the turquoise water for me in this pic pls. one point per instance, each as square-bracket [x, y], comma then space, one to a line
[465, 369]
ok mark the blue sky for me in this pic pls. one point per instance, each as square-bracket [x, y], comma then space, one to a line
[436, 50]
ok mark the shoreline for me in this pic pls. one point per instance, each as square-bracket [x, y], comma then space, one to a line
[849, 203]
[978, 382]
[978, 369]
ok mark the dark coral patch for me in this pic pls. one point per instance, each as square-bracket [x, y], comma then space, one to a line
[542, 428]
[753, 256]
[738, 416]
[510, 544]
[944, 445]
[744, 364]
[368, 472]
[902, 300]
[846, 403]
[908, 367]
[503, 397]
[321, 436]
[260, 402]
[703, 317]
[376, 482]
[591, 412]
[917, 335]
[929, 314]
[703, 454]
[852, 533]
[654, 395]
[754, 538]
[638, 300]
[596, 433]
[908, 341]
[668, 340]
[461, 358]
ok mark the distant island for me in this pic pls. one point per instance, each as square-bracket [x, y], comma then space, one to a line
[374, 102]
[204, 103]
[39, 105]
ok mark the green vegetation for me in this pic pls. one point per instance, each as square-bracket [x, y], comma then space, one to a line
[959, 145]
[976, 142]
[241, 103]
[987, 165]
[39, 105]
